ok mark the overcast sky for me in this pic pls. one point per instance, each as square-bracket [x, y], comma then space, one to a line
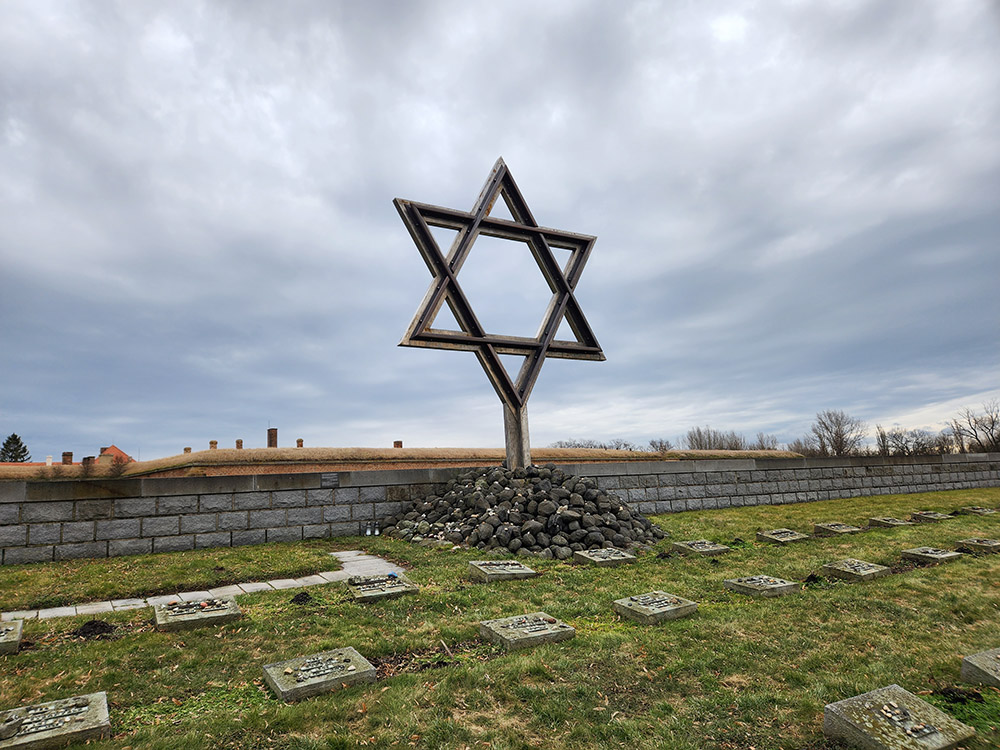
[796, 204]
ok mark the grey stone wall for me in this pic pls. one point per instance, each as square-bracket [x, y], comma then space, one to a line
[41, 521]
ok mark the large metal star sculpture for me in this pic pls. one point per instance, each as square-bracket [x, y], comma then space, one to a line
[445, 287]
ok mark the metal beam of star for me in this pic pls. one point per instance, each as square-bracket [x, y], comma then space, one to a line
[445, 287]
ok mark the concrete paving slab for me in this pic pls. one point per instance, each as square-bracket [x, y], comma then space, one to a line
[233, 590]
[94, 608]
[284, 583]
[154, 601]
[119, 604]
[255, 586]
[45, 614]
[316, 580]
[21, 614]
[332, 576]
[194, 596]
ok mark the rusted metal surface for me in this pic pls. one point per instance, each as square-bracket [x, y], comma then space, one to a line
[446, 289]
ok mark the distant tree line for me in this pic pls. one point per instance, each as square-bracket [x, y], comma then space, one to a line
[837, 433]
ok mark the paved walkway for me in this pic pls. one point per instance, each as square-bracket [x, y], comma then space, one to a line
[355, 563]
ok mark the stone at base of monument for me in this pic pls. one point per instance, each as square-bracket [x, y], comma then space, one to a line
[855, 570]
[10, 636]
[930, 555]
[981, 545]
[891, 718]
[654, 607]
[982, 668]
[56, 723]
[525, 631]
[781, 536]
[372, 588]
[499, 570]
[888, 522]
[700, 547]
[928, 516]
[761, 586]
[181, 615]
[833, 528]
[306, 676]
[607, 557]
[976, 510]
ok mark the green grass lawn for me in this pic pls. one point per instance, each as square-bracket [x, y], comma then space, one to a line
[742, 672]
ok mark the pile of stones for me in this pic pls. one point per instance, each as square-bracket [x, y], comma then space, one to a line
[538, 510]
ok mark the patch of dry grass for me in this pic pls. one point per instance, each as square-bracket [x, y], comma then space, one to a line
[230, 461]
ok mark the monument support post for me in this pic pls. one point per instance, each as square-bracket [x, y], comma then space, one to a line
[515, 430]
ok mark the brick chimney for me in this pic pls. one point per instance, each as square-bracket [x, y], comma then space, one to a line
[298, 443]
[67, 458]
[213, 445]
[272, 437]
[397, 443]
[239, 445]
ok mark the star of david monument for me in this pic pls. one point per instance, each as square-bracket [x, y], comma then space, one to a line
[489, 346]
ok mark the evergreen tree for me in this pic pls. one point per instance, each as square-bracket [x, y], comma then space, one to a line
[14, 450]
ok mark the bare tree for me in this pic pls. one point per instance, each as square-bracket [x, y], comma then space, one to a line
[660, 445]
[805, 445]
[838, 433]
[978, 433]
[708, 439]
[764, 442]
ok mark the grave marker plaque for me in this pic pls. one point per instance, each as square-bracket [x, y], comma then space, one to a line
[834, 528]
[982, 668]
[608, 557]
[181, 615]
[499, 570]
[10, 636]
[976, 510]
[981, 545]
[373, 588]
[54, 724]
[928, 516]
[654, 607]
[306, 676]
[781, 536]
[891, 718]
[930, 555]
[888, 522]
[761, 586]
[855, 570]
[700, 547]
[525, 631]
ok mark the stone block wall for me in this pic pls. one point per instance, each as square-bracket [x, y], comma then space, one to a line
[42, 521]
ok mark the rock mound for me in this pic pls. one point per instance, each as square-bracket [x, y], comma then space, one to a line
[539, 510]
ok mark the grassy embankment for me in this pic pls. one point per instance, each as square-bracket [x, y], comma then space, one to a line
[741, 673]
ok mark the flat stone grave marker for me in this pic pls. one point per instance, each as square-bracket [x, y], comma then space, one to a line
[982, 668]
[976, 510]
[181, 615]
[855, 570]
[981, 545]
[761, 586]
[928, 516]
[10, 636]
[888, 522]
[373, 588]
[654, 607]
[55, 723]
[700, 547]
[833, 528]
[608, 557]
[525, 631]
[499, 570]
[306, 676]
[781, 536]
[891, 718]
[930, 555]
